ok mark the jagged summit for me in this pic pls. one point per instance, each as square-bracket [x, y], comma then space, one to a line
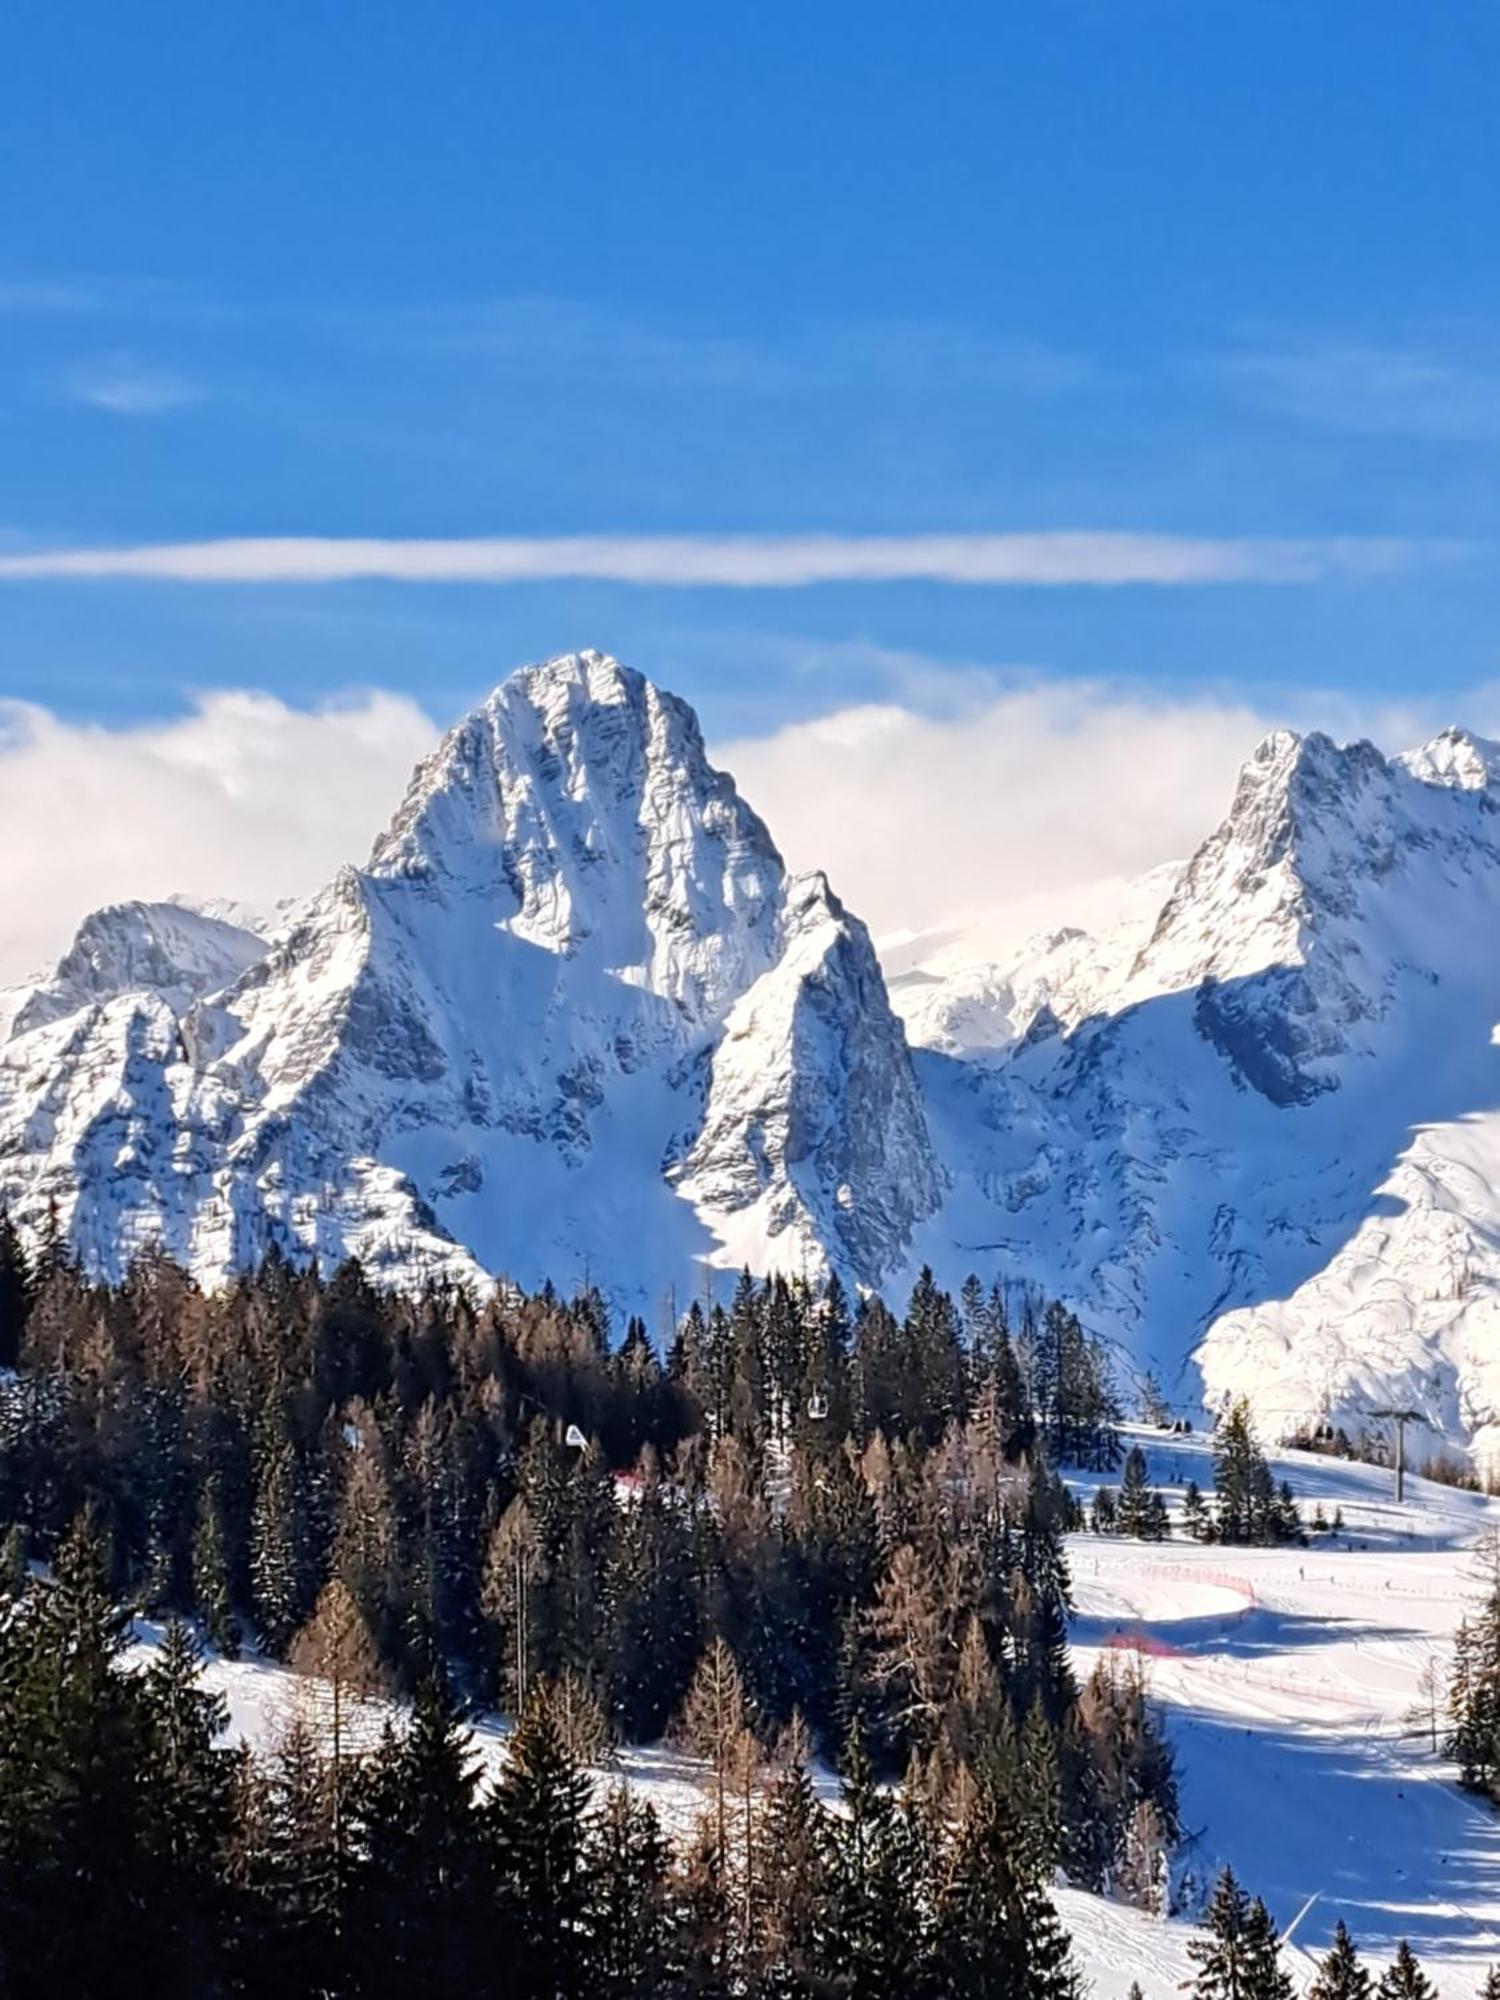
[166, 948]
[1261, 1127]
[572, 1014]
[583, 794]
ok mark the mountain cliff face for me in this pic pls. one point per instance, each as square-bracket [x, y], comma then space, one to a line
[1256, 1136]
[573, 1017]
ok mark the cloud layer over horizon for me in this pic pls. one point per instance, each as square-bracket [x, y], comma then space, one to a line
[244, 797]
[1018, 802]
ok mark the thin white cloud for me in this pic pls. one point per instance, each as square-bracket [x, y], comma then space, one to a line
[243, 797]
[128, 388]
[1415, 390]
[1072, 557]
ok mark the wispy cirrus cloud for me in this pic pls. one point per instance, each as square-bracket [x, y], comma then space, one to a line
[1082, 557]
[126, 387]
[1433, 386]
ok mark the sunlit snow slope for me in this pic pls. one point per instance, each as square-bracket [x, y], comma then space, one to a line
[1253, 1132]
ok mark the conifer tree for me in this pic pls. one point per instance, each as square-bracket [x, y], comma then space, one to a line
[75, 1880]
[422, 1876]
[632, 1945]
[1266, 1978]
[15, 1292]
[337, 1657]
[877, 1934]
[792, 1932]
[1037, 1814]
[1135, 1496]
[1341, 1976]
[365, 1543]
[712, 1725]
[997, 1933]
[537, 1819]
[1247, 1506]
[703, 1926]
[1238, 1959]
[188, 1781]
[1404, 1979]
[284, 1867]
[274, 1582]
[211, 1592]
[656, 1616]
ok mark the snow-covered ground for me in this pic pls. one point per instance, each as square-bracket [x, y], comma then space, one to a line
[1289, 1679]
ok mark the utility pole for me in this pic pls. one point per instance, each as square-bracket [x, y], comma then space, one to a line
[1400, 1418]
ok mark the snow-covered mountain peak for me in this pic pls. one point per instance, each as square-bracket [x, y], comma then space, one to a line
[1455, 757]
[572, 1011]
[167, 949]
[578, 802]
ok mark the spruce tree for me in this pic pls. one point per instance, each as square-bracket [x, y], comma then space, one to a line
[877, 1935]
[76, 1880]
[211, 1590]
[1238, 1960]
[1037, 1797]
[793, 1864]
[1404, 1979]
[537, 1817]
[998, 1935]
[632, 1943]
[422, 1876]
[1266, 1978]
[702, 1930]
[289, 1932]
[1135, 1496]
[1341, 1976]
[274, 1581]
[188, 1803]
[15, 1292]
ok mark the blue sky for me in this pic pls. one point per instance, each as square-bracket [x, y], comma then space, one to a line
[1212, 271]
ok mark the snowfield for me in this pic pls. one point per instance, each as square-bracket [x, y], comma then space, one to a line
[1289, 1679]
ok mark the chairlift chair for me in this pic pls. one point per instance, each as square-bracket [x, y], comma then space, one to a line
[817, 1406]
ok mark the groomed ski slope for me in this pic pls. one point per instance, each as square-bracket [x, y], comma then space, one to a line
[1288, 1678]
